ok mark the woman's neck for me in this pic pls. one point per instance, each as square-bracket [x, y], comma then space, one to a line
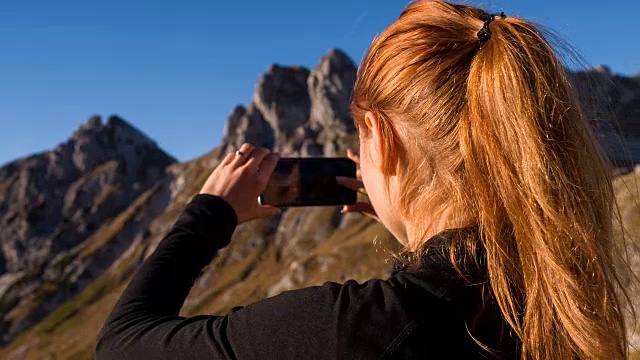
[415, 234]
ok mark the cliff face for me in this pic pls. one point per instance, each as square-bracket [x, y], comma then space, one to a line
[77, 221]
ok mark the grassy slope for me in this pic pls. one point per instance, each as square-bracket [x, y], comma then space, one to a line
[360, 251]
[627, 189]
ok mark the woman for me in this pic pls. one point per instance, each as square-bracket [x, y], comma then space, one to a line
[477, 158]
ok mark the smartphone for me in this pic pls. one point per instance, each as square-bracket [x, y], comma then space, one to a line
[309, 182]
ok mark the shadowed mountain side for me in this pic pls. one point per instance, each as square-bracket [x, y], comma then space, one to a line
[612, 102]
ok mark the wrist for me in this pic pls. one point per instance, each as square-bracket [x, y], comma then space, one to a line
[211, 216]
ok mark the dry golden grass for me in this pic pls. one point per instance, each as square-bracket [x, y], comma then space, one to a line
[4, 186]
[69, 332]
[104, 167]
[627, 189]
[110, 230]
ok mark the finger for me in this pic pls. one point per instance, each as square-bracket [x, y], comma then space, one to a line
[351, 183]
[362, 207]
[228, 158]
[353, 155]
[257, 156]
[246, 150]
[266, 169]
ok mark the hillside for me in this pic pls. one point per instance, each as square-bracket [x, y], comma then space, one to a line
[59, 276]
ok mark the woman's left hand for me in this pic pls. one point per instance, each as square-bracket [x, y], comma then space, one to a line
[357, 185]
[240, 178]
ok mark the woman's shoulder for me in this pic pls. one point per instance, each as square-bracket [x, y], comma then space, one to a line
[359, 319]
[399, 290]
[410, 312]
[395, 302]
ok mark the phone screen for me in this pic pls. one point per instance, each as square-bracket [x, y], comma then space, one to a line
[309, 182]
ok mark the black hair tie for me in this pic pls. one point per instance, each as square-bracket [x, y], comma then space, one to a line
[484, 34]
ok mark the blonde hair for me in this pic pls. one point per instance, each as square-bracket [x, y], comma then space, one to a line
[492, 133]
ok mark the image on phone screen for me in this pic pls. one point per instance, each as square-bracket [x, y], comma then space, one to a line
[309, 182]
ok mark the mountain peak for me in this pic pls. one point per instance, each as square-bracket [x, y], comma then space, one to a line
[109, 159]
[295, 110]
[337, 56]
[330, 85]
[115, 120]
[603, 69]
[94, 121]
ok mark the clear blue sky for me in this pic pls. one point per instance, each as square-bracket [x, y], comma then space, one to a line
[175, 69]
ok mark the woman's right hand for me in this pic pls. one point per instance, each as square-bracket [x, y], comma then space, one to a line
[240, 178]
[357, 185]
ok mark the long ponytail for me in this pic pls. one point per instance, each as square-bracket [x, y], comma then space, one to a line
[544, 198]
[504, 146]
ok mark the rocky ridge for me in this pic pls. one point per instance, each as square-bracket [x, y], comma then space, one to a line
[59, 307]
[613, 103]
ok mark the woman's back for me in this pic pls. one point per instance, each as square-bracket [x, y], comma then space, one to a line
[427, 311]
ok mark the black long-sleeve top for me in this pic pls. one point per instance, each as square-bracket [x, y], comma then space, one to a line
[426, 312]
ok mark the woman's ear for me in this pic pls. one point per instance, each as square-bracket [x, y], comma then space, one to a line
[374, 142]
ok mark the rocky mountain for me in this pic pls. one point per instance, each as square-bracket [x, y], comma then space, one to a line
[297, 111]
[54, 201]
[76, 222]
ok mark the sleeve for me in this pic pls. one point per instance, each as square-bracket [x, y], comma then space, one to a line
[318, 322]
